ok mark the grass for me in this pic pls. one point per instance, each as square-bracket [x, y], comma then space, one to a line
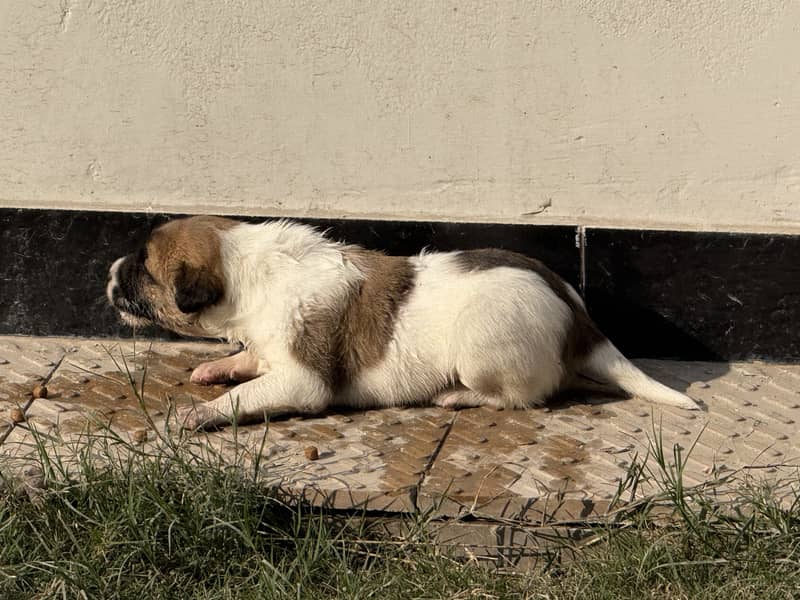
[115, 520]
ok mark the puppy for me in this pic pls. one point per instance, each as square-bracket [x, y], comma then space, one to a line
[328, 324]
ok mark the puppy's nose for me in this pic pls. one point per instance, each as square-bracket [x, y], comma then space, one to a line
[111, 286]
[115, 266]
[112, 271]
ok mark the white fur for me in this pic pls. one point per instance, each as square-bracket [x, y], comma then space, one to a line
[501, 323]
[608, 363]
[455, 332]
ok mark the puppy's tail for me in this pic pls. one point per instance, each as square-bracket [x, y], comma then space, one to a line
[608, 364]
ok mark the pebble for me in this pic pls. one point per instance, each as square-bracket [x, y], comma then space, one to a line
[17, 415]
[311, 452]
[40, 391]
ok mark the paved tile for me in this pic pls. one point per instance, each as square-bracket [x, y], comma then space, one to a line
[24, 362]
[563, 463]
[119, 385]
[371, 459]
[368, 459]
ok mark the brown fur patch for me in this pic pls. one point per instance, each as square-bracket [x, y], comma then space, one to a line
[339, 342]
[583, 335]
[184, 256]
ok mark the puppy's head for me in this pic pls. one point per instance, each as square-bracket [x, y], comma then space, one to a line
[175, 275]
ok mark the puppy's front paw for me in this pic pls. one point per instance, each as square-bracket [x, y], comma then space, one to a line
[210, 373]
[457, 399]
[199, 417]
[237, 367]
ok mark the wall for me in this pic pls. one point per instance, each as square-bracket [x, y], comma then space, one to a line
[645, 113]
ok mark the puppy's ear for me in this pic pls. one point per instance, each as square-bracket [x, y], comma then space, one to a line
[196, 289]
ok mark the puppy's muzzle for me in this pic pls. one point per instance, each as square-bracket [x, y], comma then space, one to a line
[122, 294]
[113, 291]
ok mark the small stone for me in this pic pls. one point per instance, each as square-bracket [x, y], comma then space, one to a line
[40, 391]
[139, 436]
[17, 415]
[311, 452]
[3, 361]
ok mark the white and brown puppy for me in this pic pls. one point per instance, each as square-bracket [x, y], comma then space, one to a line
[324, 323]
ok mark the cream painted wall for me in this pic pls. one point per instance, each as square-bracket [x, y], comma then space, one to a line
[650, 113]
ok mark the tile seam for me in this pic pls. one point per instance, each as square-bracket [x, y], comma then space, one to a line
[429, 464]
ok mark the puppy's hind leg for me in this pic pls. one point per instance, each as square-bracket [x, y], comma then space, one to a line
[460, 397]
[242, 366]
[509, 381]
[288, 388]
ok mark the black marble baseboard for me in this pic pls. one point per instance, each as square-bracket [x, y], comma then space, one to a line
[663, 294]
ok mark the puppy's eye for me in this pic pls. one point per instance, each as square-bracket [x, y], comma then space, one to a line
[141, 261]
[148, 276]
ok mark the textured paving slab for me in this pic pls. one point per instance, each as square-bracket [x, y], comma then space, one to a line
[372, 459]
[566, 462]
[24, 362]
[563, 463]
